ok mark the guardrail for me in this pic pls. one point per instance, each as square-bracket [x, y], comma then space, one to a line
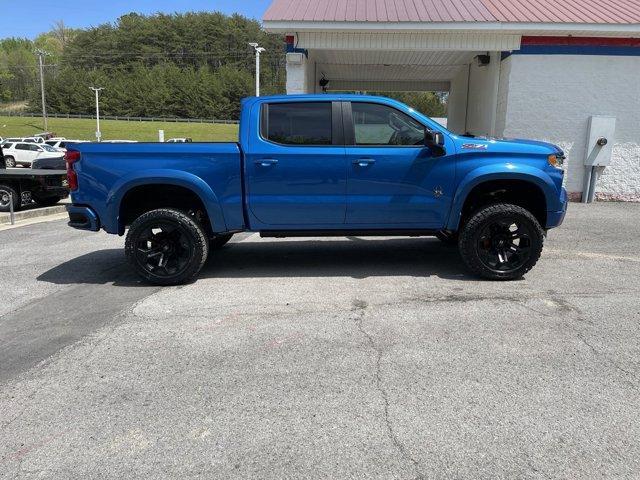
[125, 118]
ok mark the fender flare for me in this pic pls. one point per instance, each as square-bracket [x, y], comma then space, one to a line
[166, 177]
[506, 171]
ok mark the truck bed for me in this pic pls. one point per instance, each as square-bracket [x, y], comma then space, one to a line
[108, 171]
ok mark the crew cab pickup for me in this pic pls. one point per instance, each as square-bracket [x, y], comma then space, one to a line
[311, 165]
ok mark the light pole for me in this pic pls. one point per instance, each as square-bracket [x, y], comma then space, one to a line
[97, 90]
[41, 54]
[258, 50]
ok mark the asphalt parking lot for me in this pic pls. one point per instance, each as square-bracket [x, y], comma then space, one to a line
[333, 358]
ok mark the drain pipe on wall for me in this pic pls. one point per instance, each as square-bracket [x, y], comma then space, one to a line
[600, 139]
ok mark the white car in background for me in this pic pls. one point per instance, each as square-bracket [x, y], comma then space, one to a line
[61, 143]
[179, 140]
[25, 153]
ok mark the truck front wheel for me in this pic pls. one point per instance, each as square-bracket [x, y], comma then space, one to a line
[501, 242]
[166, 246]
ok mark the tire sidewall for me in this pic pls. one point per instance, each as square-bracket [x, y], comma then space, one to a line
[190, 227]
[16, 198]
[471, 230]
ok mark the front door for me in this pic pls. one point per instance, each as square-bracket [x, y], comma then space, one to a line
[394, 180]
[296, 169]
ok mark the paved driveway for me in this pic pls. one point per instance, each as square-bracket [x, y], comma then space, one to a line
[338, 358]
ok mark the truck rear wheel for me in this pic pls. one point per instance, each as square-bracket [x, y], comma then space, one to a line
[501, 242]
[166, 246]
[7, 195]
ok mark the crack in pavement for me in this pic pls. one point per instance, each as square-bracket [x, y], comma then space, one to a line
[359, 307]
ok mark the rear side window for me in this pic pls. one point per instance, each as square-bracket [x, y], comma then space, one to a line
[298, 123]
[22, 146]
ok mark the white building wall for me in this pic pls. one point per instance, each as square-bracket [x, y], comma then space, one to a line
[457, 102]
[551, 97]
[483, 95]
[503, 96]
[300, 76]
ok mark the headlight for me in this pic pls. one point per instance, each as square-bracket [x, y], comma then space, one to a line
[555, 160]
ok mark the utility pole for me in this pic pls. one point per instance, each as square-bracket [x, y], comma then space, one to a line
[41, 54]
[97, 90]
[258, 50]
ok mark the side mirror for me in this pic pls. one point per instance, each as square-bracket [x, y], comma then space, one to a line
[435, 141]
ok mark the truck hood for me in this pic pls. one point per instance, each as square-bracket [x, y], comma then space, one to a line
[506, 145]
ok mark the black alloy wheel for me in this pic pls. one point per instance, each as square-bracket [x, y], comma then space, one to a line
[504, 244]
[166, 246]
[501, 242]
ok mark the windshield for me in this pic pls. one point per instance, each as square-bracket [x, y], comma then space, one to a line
[48, 148]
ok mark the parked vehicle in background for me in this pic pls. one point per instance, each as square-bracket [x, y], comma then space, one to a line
[23, 153]
[21, 186]
[180, 140]
[44, 136]
[310, 165]
[23, 139]
[61, 144]
[49, 163]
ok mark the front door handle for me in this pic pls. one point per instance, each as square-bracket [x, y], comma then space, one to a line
[266, 162]
[364, 162]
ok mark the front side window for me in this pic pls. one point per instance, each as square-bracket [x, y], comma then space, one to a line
[22, 146]
[298, 123]
[376, 124]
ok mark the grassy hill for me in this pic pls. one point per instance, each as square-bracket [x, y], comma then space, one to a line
[84, 129]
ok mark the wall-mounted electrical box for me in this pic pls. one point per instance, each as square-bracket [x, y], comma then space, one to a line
[600, 140]
[295, 58]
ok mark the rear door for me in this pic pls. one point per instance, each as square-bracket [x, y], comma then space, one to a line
[296, 167]
[394, 180]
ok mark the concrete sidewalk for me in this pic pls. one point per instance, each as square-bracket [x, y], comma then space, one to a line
[33, 212]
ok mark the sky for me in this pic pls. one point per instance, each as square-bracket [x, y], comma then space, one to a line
[29, 18]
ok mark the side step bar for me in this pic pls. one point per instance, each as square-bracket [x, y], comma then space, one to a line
[347, 233]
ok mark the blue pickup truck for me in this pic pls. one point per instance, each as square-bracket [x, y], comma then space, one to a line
[311, 165]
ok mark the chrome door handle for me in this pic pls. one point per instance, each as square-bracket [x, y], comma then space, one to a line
[266, 162]
[364, 162]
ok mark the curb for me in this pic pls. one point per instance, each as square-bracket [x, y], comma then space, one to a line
[5, 218]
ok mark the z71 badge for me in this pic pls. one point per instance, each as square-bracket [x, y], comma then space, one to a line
[475, 146]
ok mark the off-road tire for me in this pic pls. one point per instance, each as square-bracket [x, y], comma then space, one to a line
[5, 206]
[193, 232]
[471, 230]
[219, 241]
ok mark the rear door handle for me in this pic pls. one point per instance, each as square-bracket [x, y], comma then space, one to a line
[266, 162]
[364, 162]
